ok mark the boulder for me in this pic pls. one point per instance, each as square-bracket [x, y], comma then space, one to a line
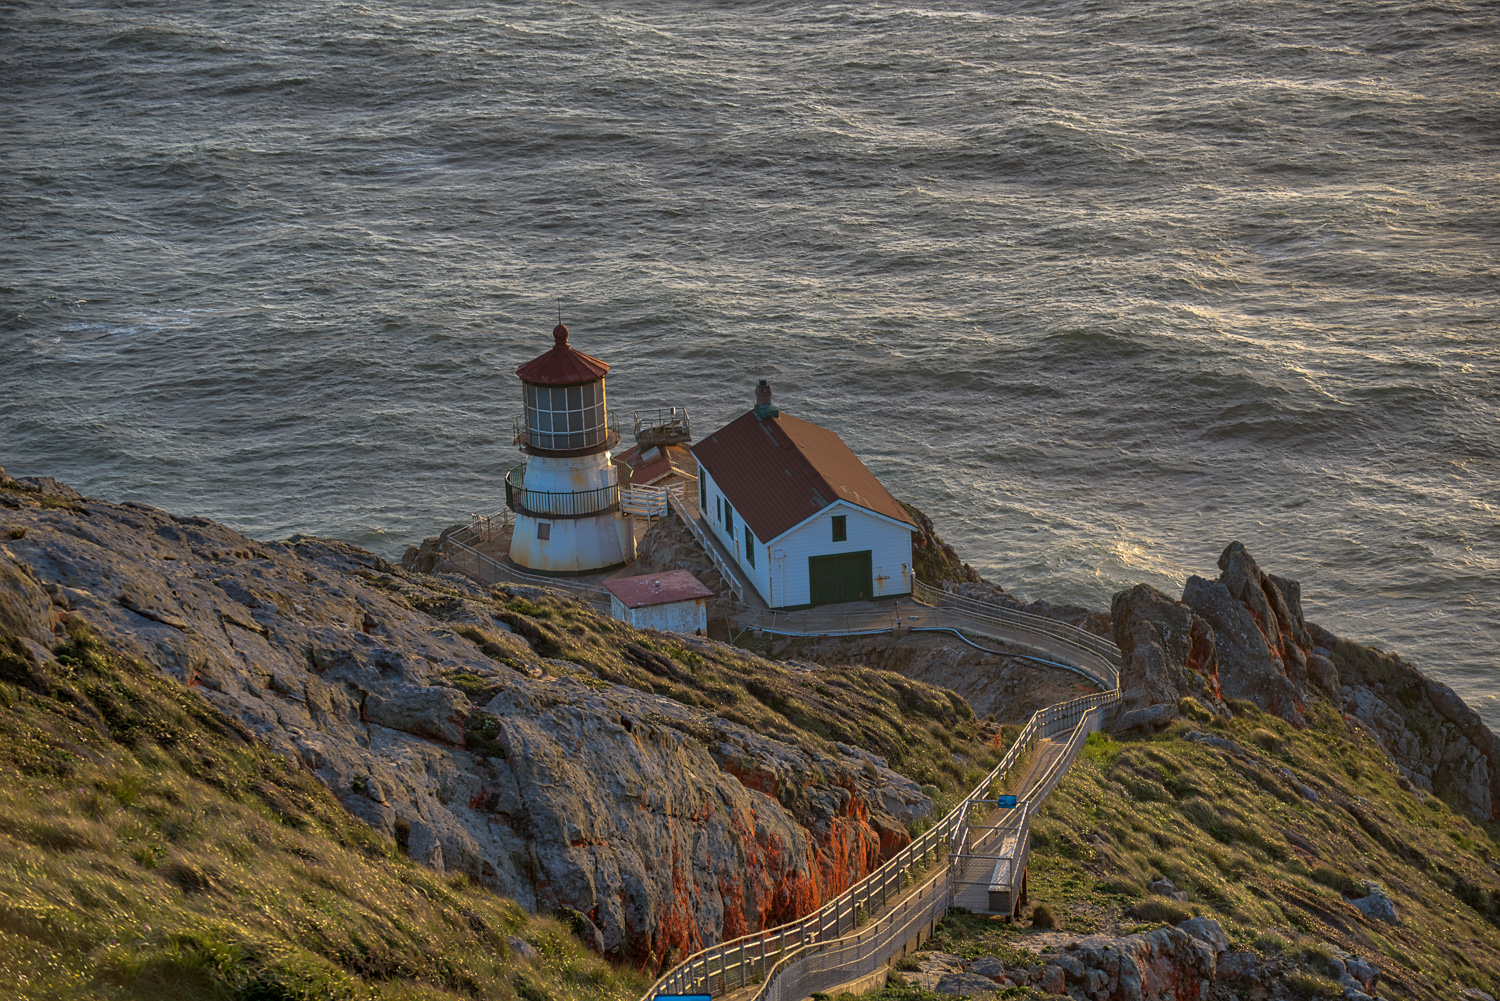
[1052, 980]
[1145, 719]
[1208, 931]
[988, 966]
[964, 983]
[1164, 887]
[1213, 740]
[1167, 964]
[1241, 969]
[1377, 905]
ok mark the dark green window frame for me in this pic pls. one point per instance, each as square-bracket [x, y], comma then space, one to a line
[749, 547]
[840, 528]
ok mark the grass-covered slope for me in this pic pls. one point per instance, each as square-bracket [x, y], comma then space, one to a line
[928, 734]
[1274, 842]
[149, 848]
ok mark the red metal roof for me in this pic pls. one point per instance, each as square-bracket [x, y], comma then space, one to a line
[657, 588]
[779, 471]
[651, 464]
[562, 366]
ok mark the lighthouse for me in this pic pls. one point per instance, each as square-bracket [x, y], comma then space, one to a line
[566, 495]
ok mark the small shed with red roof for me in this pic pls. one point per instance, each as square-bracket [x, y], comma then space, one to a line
[806, 521]
[674, 600]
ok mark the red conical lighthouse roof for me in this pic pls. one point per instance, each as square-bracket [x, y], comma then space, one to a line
[562, 366]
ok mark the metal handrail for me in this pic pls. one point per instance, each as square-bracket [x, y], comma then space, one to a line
[1062, 630]
[836, 918]
[557, 503]
[483, 567]
[663, 426]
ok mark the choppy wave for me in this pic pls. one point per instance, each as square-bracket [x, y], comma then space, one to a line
[1102, 287]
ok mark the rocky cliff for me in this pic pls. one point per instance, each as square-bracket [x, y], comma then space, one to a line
[661, 792]
[1244, 636]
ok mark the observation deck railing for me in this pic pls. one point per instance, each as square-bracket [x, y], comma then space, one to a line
[557, 504]
[664, 426]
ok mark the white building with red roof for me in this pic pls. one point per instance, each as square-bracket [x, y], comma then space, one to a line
[806, 521]
[674, 600]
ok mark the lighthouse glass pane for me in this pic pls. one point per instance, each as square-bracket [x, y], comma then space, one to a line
[566, 417]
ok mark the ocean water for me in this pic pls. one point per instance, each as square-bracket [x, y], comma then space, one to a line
[1101, 286]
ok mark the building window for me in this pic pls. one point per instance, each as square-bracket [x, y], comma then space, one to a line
[702, 495]
[543, 531]
[729, 522]
[840, 528]
[719, 507]
[749, 547]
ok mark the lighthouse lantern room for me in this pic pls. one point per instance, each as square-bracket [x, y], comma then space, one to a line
[566, 495]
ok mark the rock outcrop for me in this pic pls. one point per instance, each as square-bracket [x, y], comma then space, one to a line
[1190, 962]
[934, 561]
[1437, 741]
[1244, 636]
[1168, 964]
[1167, 652]
[443, 715]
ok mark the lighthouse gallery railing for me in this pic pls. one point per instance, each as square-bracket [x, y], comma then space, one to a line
[555, 504]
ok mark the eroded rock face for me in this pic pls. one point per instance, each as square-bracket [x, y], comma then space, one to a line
[1437, 741]
[416, 701]
[1167, 652]
[1259, 632]
[1266, 652]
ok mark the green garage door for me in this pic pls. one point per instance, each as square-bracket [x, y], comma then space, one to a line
[845, 577]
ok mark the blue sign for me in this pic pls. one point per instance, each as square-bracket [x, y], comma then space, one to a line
[1005, 802]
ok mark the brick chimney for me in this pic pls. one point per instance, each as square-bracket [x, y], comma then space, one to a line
[763, 405]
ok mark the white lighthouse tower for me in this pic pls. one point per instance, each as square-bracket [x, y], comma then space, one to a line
[566, 495]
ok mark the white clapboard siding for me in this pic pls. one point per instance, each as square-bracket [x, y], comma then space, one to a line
[779, 575]
[888, 541]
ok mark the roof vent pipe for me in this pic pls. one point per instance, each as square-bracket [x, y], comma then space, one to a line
[763, 405]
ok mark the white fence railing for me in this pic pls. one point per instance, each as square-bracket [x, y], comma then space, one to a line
[822, 966]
